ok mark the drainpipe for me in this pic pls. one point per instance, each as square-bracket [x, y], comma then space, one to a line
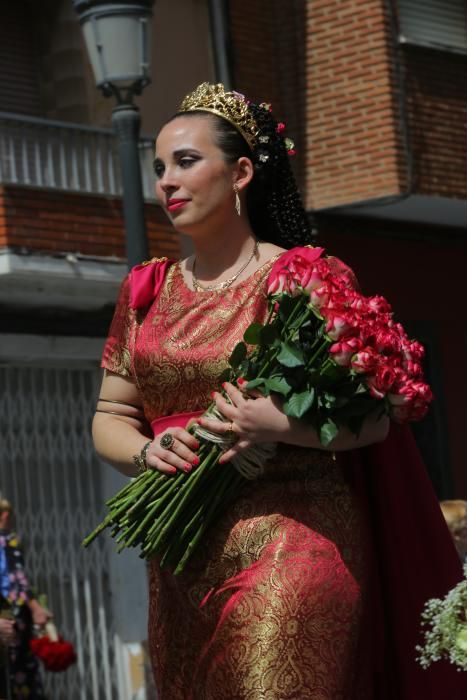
[220, 41]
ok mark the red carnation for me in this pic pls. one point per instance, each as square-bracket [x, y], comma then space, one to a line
[55, 655]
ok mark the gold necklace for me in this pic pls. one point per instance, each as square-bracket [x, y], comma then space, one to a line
[222, 285]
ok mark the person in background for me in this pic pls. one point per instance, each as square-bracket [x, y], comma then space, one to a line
[18, 604]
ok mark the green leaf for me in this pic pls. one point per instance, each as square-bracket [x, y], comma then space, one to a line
[290, 356]
[238, 355]
[332, 373]
[268, 334]
[328, 432]
[254, 383]
[329, 399]
[286, 306]
[252, 335]
[362, 389]
[298, 404]
[226, 375]
[316, 313]
[278, 384]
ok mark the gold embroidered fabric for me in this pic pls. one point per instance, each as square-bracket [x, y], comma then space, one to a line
[269, 607]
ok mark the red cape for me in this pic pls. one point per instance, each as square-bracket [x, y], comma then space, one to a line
[414, 559]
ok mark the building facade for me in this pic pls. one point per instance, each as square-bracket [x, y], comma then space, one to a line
[373, 94]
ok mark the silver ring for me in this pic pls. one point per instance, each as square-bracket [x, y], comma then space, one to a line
[167, 441]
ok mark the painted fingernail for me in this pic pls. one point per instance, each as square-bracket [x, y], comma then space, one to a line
[213, 394]
[240, 380]
[224, 384]
[172, 470]
[187, 468]
[195, 461]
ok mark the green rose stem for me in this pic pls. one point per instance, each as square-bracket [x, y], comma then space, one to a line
[140, 527]
[218, 497]
[164, 530]
[127, 488]
[115, 512]
[324, 346]
[286, 327]
[202, 528]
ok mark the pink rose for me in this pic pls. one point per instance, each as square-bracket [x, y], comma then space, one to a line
[342, 352]
[379, 305]
[279, 283]
[383, 379]
[364, 361]
[413, 369]
[338, 324]
[300, 275]
[357, 301]
[412, 350]
[411, 402]
[319, 296]
[386, 340]
[297, 262]
[409, 391]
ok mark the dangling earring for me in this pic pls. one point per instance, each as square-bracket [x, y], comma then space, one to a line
[238, 205]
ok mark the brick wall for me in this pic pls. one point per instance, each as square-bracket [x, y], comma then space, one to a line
[334, 71]
[437, 112]
[352, 119]
[54, 222]
[328, 66]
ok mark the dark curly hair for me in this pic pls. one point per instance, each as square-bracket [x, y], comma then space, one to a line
[274, 205]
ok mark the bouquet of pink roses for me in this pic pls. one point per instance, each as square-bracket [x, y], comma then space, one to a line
[333, 356]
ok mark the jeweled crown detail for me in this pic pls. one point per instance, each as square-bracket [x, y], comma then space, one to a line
[232, 106]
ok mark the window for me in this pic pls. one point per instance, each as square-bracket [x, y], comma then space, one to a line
[436, 23]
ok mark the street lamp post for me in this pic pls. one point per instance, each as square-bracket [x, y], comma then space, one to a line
[117, 34]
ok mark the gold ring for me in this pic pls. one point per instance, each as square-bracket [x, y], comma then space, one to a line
[230, 431]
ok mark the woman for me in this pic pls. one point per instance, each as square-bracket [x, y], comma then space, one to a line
[17, 602]
[272, 604]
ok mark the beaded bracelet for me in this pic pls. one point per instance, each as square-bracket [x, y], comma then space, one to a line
[140, 459]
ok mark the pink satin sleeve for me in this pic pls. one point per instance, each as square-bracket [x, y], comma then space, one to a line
[146, 280]
[178, 420]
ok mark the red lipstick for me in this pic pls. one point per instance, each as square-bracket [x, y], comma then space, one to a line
[175, 204]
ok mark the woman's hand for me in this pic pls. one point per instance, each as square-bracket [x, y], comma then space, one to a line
[7, 632]
[253, 418]
[40, 615]
[180, 455]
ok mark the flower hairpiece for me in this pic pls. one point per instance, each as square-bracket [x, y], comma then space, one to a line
[289, 144]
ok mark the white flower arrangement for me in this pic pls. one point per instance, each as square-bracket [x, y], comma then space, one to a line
[446, 637]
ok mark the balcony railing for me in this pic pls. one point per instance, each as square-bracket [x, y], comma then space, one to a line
[65, 156]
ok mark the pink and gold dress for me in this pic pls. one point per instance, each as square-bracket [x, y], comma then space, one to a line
[270, 605]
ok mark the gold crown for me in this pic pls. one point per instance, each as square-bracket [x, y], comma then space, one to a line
[231, 106]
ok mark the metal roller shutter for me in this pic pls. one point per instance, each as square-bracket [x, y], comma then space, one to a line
[440, 23]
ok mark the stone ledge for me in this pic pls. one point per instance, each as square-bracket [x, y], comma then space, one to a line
[70, 282]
